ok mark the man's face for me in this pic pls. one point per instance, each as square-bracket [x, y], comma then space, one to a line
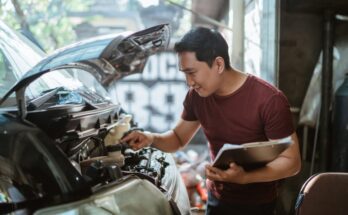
[199, 76]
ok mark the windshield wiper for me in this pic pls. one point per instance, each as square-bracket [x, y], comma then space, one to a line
[37, 102]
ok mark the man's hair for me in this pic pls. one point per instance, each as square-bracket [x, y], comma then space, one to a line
[206, 43]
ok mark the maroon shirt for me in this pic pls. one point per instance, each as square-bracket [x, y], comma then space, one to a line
[257, 111]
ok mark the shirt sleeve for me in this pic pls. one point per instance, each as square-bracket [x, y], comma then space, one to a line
[277, 117]
[188, 112]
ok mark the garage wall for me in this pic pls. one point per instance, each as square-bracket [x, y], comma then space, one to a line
[154, 97]
[300, 43]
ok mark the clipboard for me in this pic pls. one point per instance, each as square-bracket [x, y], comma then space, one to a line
[250, 155]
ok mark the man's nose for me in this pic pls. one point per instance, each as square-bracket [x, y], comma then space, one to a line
[189, 81]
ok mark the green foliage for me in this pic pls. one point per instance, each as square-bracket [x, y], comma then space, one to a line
[47, 19]
[7, 14]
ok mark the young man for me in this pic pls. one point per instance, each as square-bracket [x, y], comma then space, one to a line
[232, 107]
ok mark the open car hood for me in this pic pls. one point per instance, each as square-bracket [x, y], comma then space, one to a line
[111, 56]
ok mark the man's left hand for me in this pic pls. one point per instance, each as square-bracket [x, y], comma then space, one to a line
[234, 174]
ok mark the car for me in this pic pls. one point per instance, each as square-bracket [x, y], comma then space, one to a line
[60, 148]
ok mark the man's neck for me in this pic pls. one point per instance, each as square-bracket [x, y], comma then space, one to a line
[231, 81]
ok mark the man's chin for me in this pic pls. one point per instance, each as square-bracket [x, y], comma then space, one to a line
[203, 94]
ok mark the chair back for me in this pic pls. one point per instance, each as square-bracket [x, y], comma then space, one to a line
[324, 193]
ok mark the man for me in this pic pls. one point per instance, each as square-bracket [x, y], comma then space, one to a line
[232, 107]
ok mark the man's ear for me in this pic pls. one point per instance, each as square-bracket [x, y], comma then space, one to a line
[220, 63]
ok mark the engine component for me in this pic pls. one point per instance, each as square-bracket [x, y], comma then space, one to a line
[114, 151]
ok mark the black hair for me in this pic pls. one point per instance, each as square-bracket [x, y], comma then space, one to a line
[206, 43]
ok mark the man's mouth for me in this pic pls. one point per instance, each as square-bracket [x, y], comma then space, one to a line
[198, 89]
[195, 87]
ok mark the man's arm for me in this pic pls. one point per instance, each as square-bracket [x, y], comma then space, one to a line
[169, 141]
[285, 165]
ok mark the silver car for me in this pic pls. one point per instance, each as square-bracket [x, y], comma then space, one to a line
[60, 149]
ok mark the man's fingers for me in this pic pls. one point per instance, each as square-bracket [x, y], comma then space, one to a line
[134, 135]
[214, 169]
[233, 165]
[210, 174]
[128, 137]
[131, 142]
[136, 140]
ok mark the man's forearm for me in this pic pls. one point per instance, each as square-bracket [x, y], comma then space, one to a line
[280, 168]
[167, 142]
[286, 165]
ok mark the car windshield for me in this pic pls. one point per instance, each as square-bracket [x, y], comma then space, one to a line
[70, 81]
[70, 85]
[18, 55]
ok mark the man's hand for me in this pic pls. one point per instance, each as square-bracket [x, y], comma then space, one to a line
[234, 174]
[138, 139]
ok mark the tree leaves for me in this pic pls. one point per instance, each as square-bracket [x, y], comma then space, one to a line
[46, 20]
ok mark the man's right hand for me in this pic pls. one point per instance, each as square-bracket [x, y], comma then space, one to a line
[138, 140]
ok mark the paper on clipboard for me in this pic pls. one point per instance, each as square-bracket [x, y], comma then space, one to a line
[250, 155]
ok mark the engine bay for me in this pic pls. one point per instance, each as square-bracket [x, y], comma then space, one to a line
[89, 135]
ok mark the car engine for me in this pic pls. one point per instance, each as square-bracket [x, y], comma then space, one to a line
[89, 133]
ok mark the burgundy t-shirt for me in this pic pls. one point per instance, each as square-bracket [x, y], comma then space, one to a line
[257, 111]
